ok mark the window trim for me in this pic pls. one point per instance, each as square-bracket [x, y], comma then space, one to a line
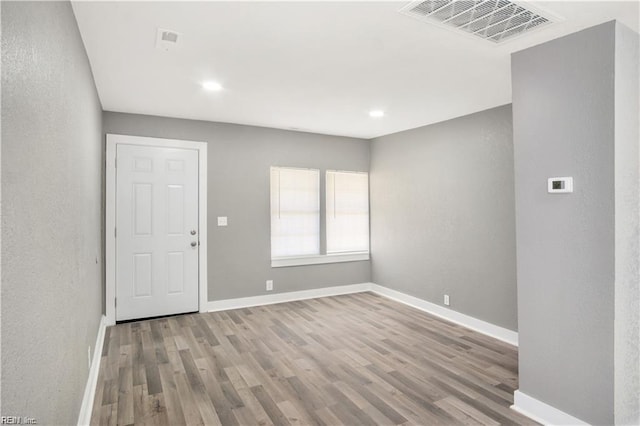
[281, 262]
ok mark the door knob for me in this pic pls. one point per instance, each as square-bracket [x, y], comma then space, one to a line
[193, 243]
[193, 232]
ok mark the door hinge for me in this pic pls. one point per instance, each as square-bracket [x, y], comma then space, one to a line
[115, 302]
[115, 232]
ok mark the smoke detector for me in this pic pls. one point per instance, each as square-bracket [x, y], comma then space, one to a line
[167, 39]
[493, 20]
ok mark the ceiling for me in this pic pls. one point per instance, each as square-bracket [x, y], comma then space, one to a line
[309, 66]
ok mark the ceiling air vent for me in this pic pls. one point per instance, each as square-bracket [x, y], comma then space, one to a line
[493, 20]
[167, 39]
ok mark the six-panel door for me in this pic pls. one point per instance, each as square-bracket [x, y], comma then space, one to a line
[156, 231]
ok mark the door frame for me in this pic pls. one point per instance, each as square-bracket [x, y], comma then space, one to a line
[110, 214]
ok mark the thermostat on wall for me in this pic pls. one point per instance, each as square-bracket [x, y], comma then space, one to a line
[558, 185]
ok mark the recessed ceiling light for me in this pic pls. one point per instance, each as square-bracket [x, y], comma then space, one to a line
[211, 86]
[376, 113]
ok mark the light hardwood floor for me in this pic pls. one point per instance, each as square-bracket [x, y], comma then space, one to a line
[357, 359]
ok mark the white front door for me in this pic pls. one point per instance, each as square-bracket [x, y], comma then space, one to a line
[156, 231]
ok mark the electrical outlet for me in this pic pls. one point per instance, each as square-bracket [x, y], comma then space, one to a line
[446, 300]
[89, 356]
[269, 285]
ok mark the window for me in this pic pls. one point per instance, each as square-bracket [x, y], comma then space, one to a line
[296, 217]
[347, 212]
[295, 212]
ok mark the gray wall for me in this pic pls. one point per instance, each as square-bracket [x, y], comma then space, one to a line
[442, 214]
[51, 212]
[627, 228]
[238, 187]
[563, 116]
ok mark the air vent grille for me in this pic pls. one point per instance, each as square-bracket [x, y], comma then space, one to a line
[493, 20]
[169, 36]
[167, 39]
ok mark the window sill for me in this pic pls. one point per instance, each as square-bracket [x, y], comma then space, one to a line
[319, 259]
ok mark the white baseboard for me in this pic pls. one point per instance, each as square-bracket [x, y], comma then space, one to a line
[541, 412]
[270, 299]
[90, 389]
[483, 327]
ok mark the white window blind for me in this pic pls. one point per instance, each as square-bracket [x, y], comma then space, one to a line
[347, 212]
[295, 212]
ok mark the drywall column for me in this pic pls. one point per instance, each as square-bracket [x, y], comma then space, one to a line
[563, 116]
[627, 248]
[569, 271]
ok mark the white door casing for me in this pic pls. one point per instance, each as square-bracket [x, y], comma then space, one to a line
[156, 200]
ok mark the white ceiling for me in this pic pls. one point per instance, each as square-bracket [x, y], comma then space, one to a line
[312, 66]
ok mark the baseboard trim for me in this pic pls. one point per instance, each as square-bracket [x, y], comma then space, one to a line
[541, 412]
[480, 326]
[497, 332]
[270, 299]
[92, 381]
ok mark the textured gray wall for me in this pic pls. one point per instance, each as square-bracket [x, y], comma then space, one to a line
[238, 187]
[563, 117]
[627, 208]
[442, 214]
[51, 214]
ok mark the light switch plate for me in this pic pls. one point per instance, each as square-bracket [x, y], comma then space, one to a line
[222, 221]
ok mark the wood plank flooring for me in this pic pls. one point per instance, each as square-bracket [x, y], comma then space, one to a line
[357, 359]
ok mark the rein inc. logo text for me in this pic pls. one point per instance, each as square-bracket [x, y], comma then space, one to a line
[17, 420]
